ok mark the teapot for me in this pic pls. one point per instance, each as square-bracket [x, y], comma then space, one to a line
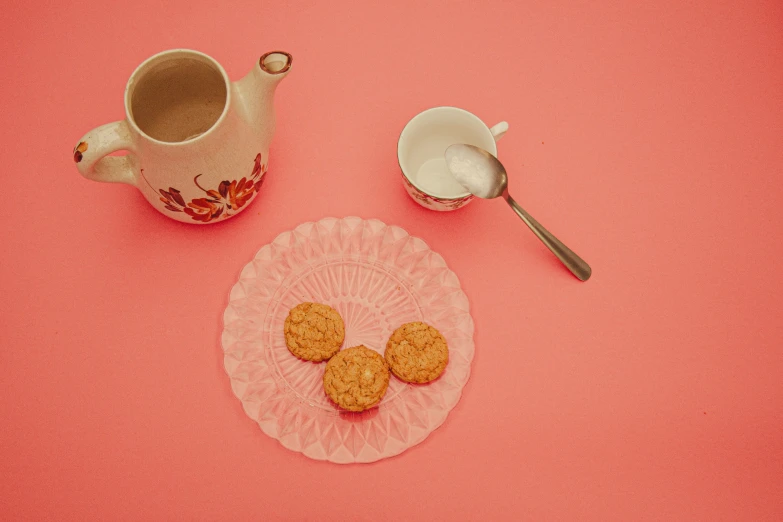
[196, 144]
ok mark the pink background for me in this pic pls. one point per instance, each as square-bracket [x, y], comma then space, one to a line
[648, 138]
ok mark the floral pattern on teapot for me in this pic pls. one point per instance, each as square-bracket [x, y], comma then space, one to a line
[223, 202]
[79, 150]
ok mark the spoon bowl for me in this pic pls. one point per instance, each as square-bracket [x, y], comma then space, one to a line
[477, 170]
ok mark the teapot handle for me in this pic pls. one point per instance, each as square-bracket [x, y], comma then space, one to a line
[92, 154]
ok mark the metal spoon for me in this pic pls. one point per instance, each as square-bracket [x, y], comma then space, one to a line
[484, 176]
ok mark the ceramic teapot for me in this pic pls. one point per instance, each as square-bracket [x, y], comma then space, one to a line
[197, 145]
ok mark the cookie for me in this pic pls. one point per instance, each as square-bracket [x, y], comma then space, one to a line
[417, 352]
[356, 378]
[313, 331]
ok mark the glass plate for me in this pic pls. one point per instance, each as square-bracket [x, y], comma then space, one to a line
[378, 277]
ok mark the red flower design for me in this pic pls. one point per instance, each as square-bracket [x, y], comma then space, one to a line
[229, 197]
[258, 173]
[240, 193]
[81, 148]
[204, 210]
[258, 168]
[172, 199]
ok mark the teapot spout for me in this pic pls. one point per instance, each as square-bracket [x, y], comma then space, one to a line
[257, 88]
[276, 64]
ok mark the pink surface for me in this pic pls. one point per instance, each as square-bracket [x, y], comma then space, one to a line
[648, 138]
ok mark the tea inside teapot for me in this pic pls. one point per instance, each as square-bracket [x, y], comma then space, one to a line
[178, 100]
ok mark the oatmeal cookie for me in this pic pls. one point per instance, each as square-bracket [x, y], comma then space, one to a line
[417, 352]
[313, 331]
[356, 378]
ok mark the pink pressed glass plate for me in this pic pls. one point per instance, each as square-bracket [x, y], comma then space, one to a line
[378, 277]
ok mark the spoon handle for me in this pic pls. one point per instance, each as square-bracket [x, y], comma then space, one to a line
[573, 262]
